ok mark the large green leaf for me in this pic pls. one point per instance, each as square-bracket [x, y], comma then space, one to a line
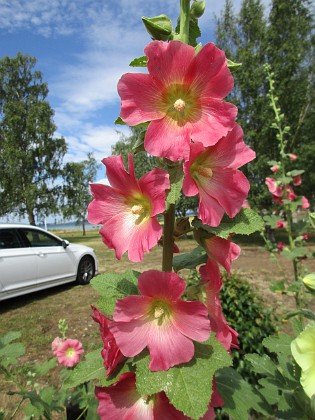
[246, 222]
[113, 286]
[262, 364]
[190, 260]
[179, 382]
[239, 396]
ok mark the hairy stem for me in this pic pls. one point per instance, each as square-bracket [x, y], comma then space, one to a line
[168, 241]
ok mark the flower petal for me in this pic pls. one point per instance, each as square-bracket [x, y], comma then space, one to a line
[224, 251]
[131, 307]
[191, 319]
[145, 236]
[153, 184]
[117, 175]
[107, 202]
[159, 284]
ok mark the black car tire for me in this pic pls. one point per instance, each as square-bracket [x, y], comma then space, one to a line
[86, 270]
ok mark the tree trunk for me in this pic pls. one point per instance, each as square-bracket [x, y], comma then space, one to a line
[83, 227]
[31, 217]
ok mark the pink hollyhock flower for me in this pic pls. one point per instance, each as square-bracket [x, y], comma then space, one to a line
[212, 173]
[182, 96]
[127, 209]
[121, 401]
[220, 251]
[280, 246]
[297, 180]
[275, 168]
[111, 354]
[305, 236]
[246, 205]
[273, 187]
[292, 156]
[56, 344]
[277, 199]
[212, 286]
[160, 321]
[290, 193]
[280, 224]
[306, 203]
[68, 354]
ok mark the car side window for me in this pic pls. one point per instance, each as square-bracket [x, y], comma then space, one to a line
[37, 238]
[9, 239]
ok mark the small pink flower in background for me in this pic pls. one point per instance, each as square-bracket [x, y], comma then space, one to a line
[297, 180]
[290, 193]
[280, 246]
[111, 354]
[56, 344]
[246, 205]
[127, 209]
[273, 187]
[68, 354]
[305, 237]
[275, 168]
[182, 96]
[121, 401]
[280, 224]
[212, 286]
[306, 203]
[212, 173]
[277, 199]
[160, 321]
[220, 251]
[292, 156]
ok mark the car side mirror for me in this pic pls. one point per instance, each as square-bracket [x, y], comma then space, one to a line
[65, 243]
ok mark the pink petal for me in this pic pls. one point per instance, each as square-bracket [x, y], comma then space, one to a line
[131, 307]
[164, 410]
[117, 175]
[175, 143]
[210, 211]
[190, 187]
[224, 251]
[157, 284]
[169, 62]
[191, 319]
[106, 204]
[144, 237]
[153, 184]
[209, 73]
[168, 347]
[140, 96]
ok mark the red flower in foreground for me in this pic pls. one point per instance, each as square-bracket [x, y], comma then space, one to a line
[121, 401]
[111, 353]
[127, 209]
[68, 354]
[212, 173]
[182, 96]
[160, 321]
[212, 286]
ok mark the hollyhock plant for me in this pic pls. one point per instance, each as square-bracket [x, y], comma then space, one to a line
[280, 224]
[211, 172]
[159, 320]
[305, 203]
[297, 180]
[182, 96]
[212, 286]
[68, 354]
[122, 401]
[303, 351]
[290, 194]
[111, 354]
[127, 209]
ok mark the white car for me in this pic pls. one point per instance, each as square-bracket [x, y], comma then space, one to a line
[33, 259]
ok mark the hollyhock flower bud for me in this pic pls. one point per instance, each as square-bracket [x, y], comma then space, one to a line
[246, 205]
[306, 203]
[56, 344]
[182, 96]
[309, 281]
[159, 320]
[305, 237]
[290, 193]
[68, 354]
[280, 246]
[297, 180]
[292, 156]
[280, 224]
[122, 401]
[197, 8]
[275, 168]
[159, 27]
[211, 172]
[127, 209]
[111, 354]
[302, 349]
[182, 225]
[273, 187]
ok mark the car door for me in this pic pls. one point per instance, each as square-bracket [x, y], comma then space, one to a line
[55, 264]
[18, 270]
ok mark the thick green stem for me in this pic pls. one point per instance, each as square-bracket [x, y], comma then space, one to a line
[184, 20]
[168, 239]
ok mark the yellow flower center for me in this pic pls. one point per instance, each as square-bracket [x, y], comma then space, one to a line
[179, 105]
[70, 352]
[197, 171]
[160, 311]
[137, 209]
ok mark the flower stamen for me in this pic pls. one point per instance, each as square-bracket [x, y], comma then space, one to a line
[179, 105]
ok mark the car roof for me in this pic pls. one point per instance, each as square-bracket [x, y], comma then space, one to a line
[18, 225]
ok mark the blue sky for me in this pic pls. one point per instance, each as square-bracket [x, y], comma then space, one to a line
[83, 47]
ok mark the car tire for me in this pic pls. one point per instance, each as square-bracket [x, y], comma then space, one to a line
[86, 270]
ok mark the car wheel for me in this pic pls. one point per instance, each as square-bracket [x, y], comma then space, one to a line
[86, 270]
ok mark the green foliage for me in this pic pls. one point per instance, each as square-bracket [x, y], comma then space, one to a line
[190, 260]
[9, 352]
[30, 155]
[179, 382]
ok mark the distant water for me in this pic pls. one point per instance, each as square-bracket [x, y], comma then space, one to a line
[69, 226]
